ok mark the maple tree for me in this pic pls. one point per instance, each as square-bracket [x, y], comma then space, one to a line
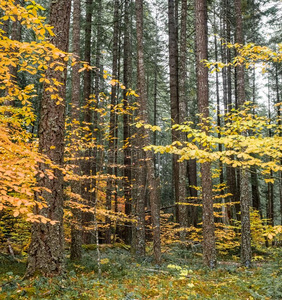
[20, 158]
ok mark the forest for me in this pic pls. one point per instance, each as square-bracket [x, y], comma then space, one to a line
[141, 149]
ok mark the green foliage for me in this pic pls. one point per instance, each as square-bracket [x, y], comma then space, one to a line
[123, 278]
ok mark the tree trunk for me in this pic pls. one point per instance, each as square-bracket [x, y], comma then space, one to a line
[246, 251]
[46, 252]
[126, 121]
[279, 121]
[174, 100]
[15, 36]
[110, 182]
[145, 141]
[225, 218]
[76, 225]
[182, 167]
[87, 163]
[209, 252]
[254, 174]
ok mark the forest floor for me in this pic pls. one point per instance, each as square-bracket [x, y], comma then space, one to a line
[181, 276]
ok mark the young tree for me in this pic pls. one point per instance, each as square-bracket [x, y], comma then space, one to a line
[46, 251]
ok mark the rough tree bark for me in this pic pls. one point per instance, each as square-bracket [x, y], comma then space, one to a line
[76, 226]
[46, 252]
[182, 167]
[174, 98]
[126, 120]
[246, 251]
[112, 136]
[145, 140]
[86, 165]
[209, 252]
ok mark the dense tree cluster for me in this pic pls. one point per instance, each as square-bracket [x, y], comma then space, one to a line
[137, 122]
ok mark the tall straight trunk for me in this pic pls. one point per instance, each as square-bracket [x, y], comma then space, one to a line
[218, 113]
[149, 159]
[174, 100]
[223, 50]
[246, 251]
[15, 36]
[110, 182]
[46, 251]
[86, 188]
[97, 89]
[182, 167]
[126, 121]
[209, 252]
[279, 121]
[270, 187]
[254, 174]
[192, 178]
[227, 98]
[76, 226]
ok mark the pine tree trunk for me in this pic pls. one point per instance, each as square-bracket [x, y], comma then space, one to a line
[246, 251]
[126, 120]
[225, 219]
[46, 252]
[209, 252]
[254, 173]
[279, 108]
[76, 226]
[145, 141]
[110, 182]
[97, 89]
[182, 116]
[87, 163]
[174, 100]
[15, 36]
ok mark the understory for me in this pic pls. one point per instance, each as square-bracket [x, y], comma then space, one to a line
[180, 276]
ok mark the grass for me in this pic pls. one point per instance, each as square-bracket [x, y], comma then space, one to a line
[181, 276]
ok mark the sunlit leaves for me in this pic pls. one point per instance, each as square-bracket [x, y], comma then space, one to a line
[239, 149]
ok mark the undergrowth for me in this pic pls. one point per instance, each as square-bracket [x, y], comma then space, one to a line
[181, 276]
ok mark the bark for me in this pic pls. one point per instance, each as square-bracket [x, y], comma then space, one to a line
[255, 189]
[270, 191]
[126, 121]
[225, 218]
[182, 167]
[111, 169]
[246, 251]
[87, 163]
[227, 99]
[279, 121]
[193, 212]
[149, 159]
[174, 100]
[46, 252]
[97, 89]
[254, 174]
[209, 252]
[15, 36]
[76, 226]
